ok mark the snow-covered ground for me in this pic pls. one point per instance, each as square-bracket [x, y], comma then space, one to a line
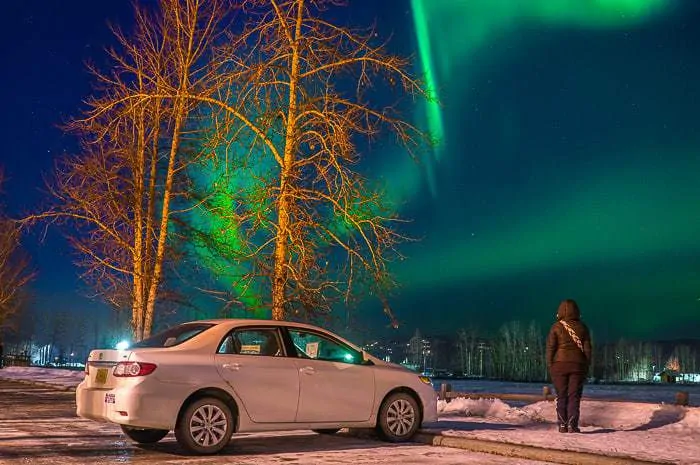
[55, 376]
[657, 432]
[649, 430]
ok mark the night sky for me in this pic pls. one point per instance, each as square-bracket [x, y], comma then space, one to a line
[568, 165]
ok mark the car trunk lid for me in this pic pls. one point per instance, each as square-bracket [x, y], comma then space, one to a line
[100, 367]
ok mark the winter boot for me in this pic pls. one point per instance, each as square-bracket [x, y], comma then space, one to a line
[563, 423]
[573, 424]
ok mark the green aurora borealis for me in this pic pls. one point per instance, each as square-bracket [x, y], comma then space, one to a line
[567, 162]
[567, 166]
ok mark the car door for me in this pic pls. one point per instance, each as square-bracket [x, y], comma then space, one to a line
[253, 362]
[334, 384]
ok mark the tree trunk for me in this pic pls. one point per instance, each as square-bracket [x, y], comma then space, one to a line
[164, 219]
[179, 115]
[150, 218]
[139, 265]
[282, 240]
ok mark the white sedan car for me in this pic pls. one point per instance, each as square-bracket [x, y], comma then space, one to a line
[209, 379]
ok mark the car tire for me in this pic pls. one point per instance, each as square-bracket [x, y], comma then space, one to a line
[205, 426]
[399, 417]
[326, 430]
[144, 435]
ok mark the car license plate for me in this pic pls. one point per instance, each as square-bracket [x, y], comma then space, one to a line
[110, 398]
[101, 376]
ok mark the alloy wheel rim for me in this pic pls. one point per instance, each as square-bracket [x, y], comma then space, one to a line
[208, 425]
[400, 417]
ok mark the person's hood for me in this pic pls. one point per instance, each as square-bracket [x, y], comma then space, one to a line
[568, 310]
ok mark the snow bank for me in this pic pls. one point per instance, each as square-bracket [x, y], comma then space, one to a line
[691, 420]
[645, 431]
[613, 415]
[484, 408]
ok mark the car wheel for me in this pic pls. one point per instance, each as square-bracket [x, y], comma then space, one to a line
[205, 427]
[399, 417]
[144, 435]
[326, 431]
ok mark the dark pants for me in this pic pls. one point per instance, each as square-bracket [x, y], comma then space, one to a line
[568, 381]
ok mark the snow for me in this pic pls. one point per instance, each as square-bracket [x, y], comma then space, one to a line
[297, 447]
[54, 376]
[651, 430]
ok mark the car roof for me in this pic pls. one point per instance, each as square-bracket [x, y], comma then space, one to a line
[260, 322]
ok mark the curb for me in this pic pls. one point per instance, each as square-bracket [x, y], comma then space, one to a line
[524, 451]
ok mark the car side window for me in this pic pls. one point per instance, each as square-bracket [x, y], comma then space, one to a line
[316, 346]
[252, 341]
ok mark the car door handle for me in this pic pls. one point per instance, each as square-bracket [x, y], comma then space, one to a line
[307, 370]
[232, 366]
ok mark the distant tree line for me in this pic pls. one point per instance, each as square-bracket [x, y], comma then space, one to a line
[60, 337]
[516, 352]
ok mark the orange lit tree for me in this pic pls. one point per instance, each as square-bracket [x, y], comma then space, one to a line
[120, 194]
[285, 108]
[302, 99]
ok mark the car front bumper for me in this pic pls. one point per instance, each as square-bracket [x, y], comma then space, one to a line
[429, 399]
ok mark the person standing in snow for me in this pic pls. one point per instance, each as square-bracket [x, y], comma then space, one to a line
[568, 360]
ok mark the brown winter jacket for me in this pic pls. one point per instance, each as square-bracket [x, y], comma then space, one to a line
[560, 346]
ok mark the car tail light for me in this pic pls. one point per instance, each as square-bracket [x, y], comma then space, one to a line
[132, 369]
[87, 367]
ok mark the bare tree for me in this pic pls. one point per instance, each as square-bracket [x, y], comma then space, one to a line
[15, 269]
[121, 192]
[278, 88]
[519, 352]
[467, 344]
[299, 105]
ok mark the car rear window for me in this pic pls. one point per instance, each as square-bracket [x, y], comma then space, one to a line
[174, 336]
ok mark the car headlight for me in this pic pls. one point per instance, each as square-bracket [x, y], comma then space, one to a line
[426, 380]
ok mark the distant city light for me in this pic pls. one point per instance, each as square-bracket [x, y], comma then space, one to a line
[122, 345]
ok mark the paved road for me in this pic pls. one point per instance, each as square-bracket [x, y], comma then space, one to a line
[38, 426]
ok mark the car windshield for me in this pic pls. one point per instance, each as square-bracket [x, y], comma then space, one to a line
[174, 336]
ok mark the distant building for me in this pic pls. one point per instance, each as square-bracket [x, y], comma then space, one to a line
[688, 377]
[670, 377]
[389, 351]
[667, 377]
[420, 354]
